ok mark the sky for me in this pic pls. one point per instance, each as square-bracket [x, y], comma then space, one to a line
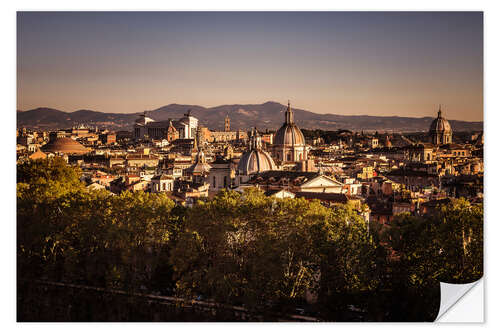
[352, 63]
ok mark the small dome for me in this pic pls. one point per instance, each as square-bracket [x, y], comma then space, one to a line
[200, 165]
[255, 161]
[65, 146]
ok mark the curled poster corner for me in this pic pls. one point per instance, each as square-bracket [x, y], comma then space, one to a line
[451, 294]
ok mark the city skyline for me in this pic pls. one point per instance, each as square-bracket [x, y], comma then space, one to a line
[351, 63]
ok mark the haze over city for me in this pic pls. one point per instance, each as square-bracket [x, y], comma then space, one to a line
[364, 63]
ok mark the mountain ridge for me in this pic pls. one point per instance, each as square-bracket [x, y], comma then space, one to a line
[268, 115]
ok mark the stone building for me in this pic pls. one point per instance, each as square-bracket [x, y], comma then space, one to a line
[422, 152]
[221, 174]
[147, 128]
[162, 183]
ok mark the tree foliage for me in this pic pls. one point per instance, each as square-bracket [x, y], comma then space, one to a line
[69, 233]
[267, 254]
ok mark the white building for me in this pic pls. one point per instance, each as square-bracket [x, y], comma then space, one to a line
[146, 127]
[162, 183]
[221, 175]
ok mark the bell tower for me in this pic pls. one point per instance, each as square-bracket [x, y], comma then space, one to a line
[227, 126]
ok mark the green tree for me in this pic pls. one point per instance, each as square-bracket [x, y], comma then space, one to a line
[69, 233]
[459, 231]
[268, 253]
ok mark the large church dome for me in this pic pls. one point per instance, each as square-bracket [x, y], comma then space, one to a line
[440, 130]
[289, 134]
[255, 160]
[289, 143]
[440, 125]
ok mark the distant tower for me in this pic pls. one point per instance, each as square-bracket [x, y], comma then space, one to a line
[227, 126]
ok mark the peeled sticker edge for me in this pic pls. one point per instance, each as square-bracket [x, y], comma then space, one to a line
[451, 294]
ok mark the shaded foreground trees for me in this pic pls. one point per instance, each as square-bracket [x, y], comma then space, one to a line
[68, 233]
[270, 255]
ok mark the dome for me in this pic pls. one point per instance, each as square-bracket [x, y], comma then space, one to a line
[289, 134]
[255, 161]
[440, 130]
[440, 125]
[65, 145]
[200, 165]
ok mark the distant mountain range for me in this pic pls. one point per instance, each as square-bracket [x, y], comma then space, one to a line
[269, 115]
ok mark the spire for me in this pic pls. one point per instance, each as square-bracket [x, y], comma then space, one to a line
[439, 112]
[289, 114]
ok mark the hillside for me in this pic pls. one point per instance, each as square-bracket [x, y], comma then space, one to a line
[267, 115]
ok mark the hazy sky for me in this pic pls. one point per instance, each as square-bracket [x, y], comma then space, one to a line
[373, 63]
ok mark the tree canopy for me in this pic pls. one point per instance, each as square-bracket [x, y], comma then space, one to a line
[268, 254]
